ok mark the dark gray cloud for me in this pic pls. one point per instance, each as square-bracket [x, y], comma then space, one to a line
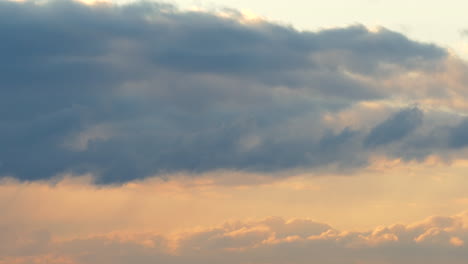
[130, 91]
[458, 135]
[394, 128]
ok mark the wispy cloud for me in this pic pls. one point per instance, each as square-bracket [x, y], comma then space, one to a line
[464, 32]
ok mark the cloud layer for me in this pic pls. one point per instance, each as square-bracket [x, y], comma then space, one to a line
[126, 92]
[176, 220]
[272, 240]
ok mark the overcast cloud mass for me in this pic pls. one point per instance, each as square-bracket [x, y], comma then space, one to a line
[127, 92]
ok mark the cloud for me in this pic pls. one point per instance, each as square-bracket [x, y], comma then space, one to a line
[130, 91]
[395, 128]
[177, 219]
[458, 135]
[272, 240]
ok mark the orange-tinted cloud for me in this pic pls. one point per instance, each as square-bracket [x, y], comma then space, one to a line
[272, 240]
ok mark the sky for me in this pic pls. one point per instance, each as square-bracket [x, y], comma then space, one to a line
[233, 132]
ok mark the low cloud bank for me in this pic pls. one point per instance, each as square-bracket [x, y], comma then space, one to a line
[272, 240]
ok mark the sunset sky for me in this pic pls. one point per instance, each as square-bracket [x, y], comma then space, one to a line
[236, 132]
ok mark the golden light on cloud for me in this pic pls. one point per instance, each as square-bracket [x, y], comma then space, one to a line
[389, 191]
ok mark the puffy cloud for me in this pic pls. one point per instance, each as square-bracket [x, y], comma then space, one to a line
[130, 91]
[272, 240]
